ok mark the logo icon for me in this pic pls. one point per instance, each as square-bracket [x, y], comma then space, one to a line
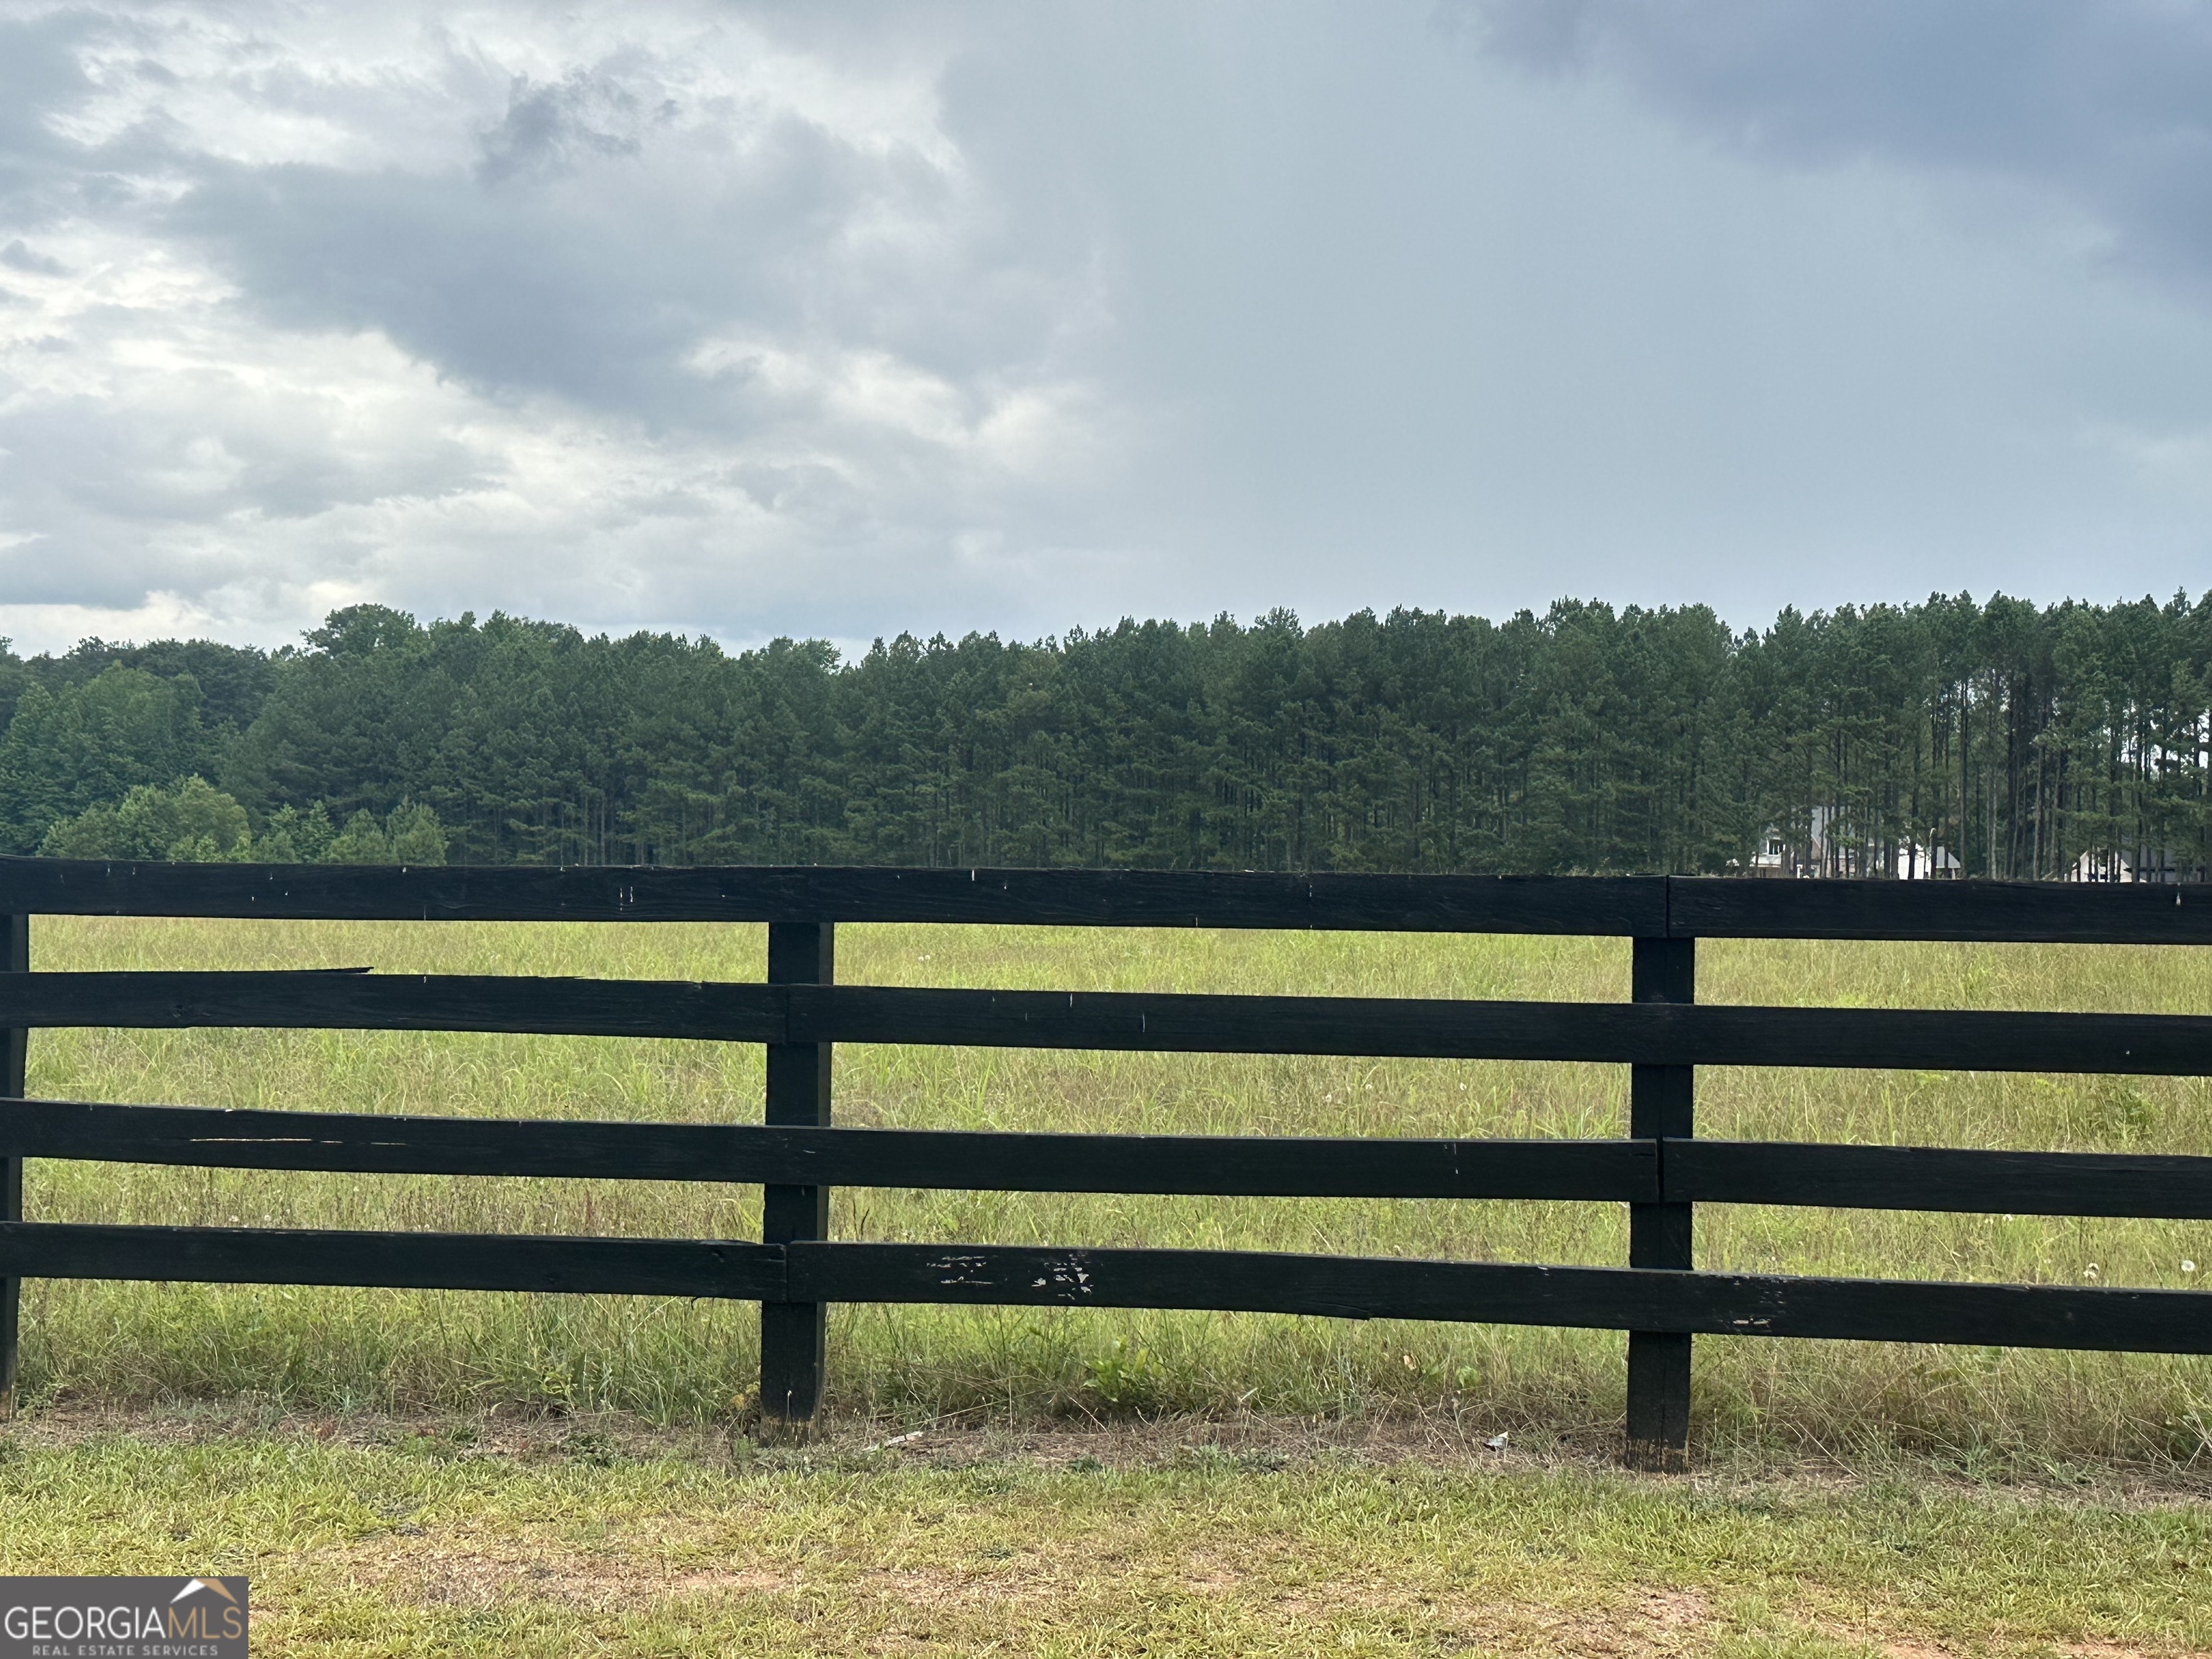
[123, 1618]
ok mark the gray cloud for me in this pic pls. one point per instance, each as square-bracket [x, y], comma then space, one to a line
[603, 227]
[2108, 103]
[19, 256]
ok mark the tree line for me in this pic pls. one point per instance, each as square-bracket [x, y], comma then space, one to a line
[2012, 739]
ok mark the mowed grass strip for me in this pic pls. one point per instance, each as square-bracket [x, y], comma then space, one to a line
[687, 1361]
[445, 1539]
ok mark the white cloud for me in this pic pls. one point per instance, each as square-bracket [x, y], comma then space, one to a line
[625, 316]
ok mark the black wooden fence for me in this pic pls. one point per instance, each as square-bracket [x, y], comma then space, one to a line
[1660, 1169]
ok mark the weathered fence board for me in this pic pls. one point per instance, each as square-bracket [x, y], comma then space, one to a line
[1625, 906]
[969, 1159]
[444, 1262]
[1074, 898]
[1620, 1033]
[14, 959]
[811, 1273]
[357, 1000]
[1511, 1293]
[1974, 1179]
[1998, 912]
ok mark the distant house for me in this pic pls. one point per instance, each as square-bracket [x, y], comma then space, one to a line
[2099, 864]
[1772, 857]
[1913, 862]
[2160, 864]
[1823, 853]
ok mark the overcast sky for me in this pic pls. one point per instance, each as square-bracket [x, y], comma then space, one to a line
[842, 320]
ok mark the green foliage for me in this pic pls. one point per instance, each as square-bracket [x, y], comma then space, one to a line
[1124, 1377]
[192, 822]
[1586, 739]
[414, 836]
[295, 837]
[408, 835]
[91, 744]
[231, 680]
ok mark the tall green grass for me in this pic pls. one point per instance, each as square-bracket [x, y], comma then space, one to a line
[682, 1360]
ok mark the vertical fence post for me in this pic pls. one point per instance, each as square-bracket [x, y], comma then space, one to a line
[793, 1333]
[14, 959]
[1662, 1101]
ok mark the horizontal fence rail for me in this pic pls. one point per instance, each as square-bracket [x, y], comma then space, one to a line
[1604, 1298]
[1660, 1169]
[431, 1262]
[956, 1159]
[1644, 907]
[1630, 1033]
[1058, 898]
[1972, 1181]
[1235, 1281]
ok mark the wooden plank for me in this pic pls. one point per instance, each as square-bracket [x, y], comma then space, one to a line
[1651, 1034]
[1661, 1110]
[1614, 1299]
[1686, 907]
[2011, 1315]
[1094, 898]
[1617, 1171]
[2068, 913]
[794, 1334]
[457, 1261]
[957, 1160]
[359, 1000]
[1654, 1034]
[1942, 1178]
[14, 1052]
[373, 1144]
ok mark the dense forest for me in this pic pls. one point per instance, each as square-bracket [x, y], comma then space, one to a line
[2010, 739]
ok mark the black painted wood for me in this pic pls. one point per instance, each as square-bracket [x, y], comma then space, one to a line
[1644, 905]
[794, 1334]
[358, 1000]
[2025, 911]
[973, 1160]
[1651, 1034]
[1942, 1178]
[460, 1262]
[1098, 898]
[2150, 1322]
[1661, 1110]
[1729, 1304]
[1707, 1171]
[15, 1049]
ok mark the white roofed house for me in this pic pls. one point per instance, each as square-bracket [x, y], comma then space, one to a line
[1912, 861]
[1823, 851]
[2118, 864]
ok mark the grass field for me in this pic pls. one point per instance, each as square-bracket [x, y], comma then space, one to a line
[369, 1538]
[680, 1363]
